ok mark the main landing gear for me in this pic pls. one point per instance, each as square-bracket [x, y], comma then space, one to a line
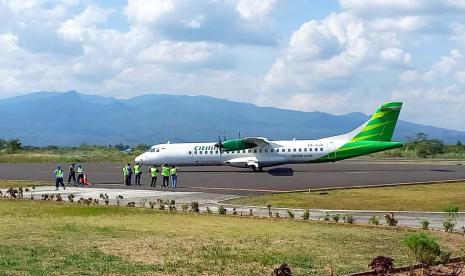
[256, 169]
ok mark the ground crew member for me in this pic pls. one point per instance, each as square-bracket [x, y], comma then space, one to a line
[154, 174]
[138, 173]
[59, 174]
[80, 175]
[127, 173]
[72, 174]
[174, 176]
[165, 172]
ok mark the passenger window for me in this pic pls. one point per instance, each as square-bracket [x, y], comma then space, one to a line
[255, 151]
[260, 150]
[266, 150]
[216, 152]
[288, 150]
[300, 150]
[243, 151]
[271, 150]
[190, 152]
[316, 149]
[195, 152]
[250, 151]
[305, 149]
[321, 149]
[200, 152]
[211, 152]
[295, 150]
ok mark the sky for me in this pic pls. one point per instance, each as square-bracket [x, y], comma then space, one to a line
[309, 55]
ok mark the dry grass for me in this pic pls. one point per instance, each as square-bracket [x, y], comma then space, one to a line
[43, 238]
[431, 197]
[23, 183]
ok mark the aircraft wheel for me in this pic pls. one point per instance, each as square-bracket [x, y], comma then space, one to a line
[253, 168]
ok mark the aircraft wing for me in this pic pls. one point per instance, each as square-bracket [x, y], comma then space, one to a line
[259, 141]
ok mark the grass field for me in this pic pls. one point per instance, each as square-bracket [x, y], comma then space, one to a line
[431, 197]
[23, 183]
[46, 238]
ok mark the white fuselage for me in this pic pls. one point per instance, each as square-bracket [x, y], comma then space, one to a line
[272, 154]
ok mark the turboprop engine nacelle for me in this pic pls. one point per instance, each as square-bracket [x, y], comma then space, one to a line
[235, 144]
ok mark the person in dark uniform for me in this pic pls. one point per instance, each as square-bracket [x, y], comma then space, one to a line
[72, 174]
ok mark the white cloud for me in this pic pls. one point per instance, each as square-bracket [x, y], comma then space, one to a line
[76, 27]
[255, 9]
[148, 11]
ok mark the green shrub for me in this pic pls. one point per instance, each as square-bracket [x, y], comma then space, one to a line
[306, 215]
[391, 219]
[270, 214]
[222, 210]
[425, 224]
[336, 217]
[290, 215]
[448, 225]
[195, 207]
[349, 218]
[327, 217]
[374, 220]
[424, 248]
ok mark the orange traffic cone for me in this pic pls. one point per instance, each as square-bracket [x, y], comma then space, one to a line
[86, 182]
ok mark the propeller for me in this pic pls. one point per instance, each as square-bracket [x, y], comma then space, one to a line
[219, 145]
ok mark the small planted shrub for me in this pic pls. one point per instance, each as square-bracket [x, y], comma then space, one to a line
[161, 206]
[327, 217]
[336, 217]
[276, 214]
[195, 207]
[222, 210]
[250, 212]
[282, 270]
[152, 205]
[425, 224]
[209, 211]
[234, 212]
[306, 215]
[382, 264]
[185, 207]
[374, 220]
[172, 202]
[270, 214]
[391, 219]
[131, 204]
[172, 207]
[59, 198]
[71, 197]
[448, 225]
[423, 248]
[290, 215]
[349, 218]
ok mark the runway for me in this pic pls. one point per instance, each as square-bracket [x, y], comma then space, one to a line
[227, 180]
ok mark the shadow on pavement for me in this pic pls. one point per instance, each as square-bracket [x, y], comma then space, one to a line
[281, 172]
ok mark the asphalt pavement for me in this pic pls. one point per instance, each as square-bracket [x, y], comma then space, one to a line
[227, 180]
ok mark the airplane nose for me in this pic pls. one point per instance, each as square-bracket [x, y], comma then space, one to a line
[139, 160]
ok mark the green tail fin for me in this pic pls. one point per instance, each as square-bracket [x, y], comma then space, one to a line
[381, 125]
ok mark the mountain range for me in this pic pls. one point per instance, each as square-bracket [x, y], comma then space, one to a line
[71, 118]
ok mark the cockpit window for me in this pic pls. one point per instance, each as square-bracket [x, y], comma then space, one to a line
[153, 150]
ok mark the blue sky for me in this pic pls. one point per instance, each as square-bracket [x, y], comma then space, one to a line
[327, 55]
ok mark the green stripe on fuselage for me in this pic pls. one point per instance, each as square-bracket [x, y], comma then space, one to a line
[357, 148]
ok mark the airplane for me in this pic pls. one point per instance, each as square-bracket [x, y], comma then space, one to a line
[258, 152]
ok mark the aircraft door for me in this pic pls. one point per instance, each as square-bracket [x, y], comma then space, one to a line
[331, 150]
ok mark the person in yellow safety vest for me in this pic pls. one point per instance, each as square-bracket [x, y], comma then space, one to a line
[165, 172]
[80, 175]
[138, 173]
[174, 176]
[154, 174]
[59, 174]
[127, 173]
